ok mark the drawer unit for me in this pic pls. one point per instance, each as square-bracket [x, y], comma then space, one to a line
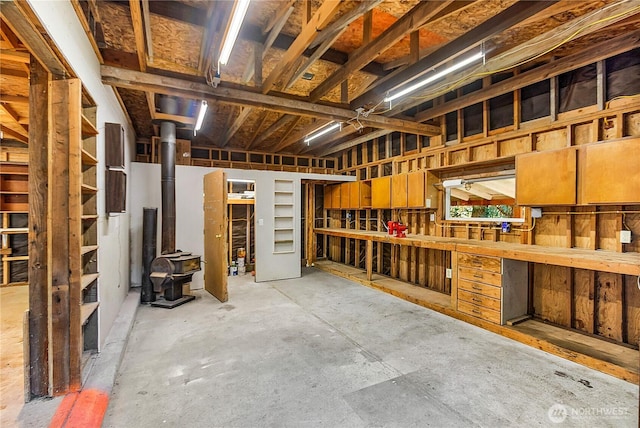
[492, 288]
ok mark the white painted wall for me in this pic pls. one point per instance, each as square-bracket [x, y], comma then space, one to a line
[61, 23]
[145, 192]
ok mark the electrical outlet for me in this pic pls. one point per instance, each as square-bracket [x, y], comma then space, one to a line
[536, 212]
[432, 217]
[260, 222]
[625, 236]
[449, 273]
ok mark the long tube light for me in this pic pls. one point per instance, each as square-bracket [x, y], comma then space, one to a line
[434, 77]
[322, 131]
[239, 12]
[201, 113]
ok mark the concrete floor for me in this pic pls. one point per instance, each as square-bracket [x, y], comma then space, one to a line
[323, 351]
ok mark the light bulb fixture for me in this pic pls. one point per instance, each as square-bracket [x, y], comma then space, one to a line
[325, 129]
[434, 77]
[201, 113]
[239, 11]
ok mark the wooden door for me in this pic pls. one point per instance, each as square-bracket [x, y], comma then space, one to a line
[215, 235]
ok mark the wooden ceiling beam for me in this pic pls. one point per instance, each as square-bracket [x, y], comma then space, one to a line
[15, 56]
[279, 123]
[13, 117]
[130, 79]
[309, 31]
[23, 22]
[15, 135]
[411, 21]
[237, 123]
[8, 35]
[598, 52]
[146, 21]
[17, 99]
[138, 32]
[341, 24]
[261, 120]
[498, 23]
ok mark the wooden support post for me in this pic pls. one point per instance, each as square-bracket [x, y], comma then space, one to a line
[310, 223]
[38, 214]
[369, 261]
[555, 95]
[601, 85]
[58, 226]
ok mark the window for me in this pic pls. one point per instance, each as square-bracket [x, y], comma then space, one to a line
[451, 125]
[578, 88]
[482, 199]
[395, 144]
[410, 142]
[535, 101]
[472, 119]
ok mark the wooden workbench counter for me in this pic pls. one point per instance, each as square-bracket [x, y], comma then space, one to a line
[600, 260]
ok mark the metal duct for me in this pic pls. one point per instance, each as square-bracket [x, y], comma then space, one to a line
[168, 105]
[149, 232]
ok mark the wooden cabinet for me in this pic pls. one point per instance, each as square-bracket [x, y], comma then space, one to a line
[114, 145]
[399, 191]
[365, 194]
[381, 193]
[546, 178]
[345, 192]
[332, 197]
[492, 288]
[611, 172]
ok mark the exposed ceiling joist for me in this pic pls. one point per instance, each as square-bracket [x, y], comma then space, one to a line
[409, 22]
[536, 47]
[14, 56]
[507, 18]
[237, 123]
[361, 139]
[598, 52]
[15, 135]
[318, 21]
[7, 111]
[17, 99]
[138, 31]
[130, 79]
[262, 119]
[279, 123]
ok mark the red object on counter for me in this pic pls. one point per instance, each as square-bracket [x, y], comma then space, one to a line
[397, 229]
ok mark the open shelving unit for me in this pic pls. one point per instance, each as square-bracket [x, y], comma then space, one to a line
[14, 204]
[283, 214]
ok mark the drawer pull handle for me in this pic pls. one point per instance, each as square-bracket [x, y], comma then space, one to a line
[475, 287]
[477, 300]
[475, 311]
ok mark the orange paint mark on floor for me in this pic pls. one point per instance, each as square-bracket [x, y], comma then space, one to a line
[83, 410]
[62, 413]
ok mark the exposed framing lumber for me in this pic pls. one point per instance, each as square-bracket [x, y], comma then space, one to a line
[309, 32]
[507, 18]
[130, 79]
[361, 139]
[13, 116]
[285, 9]
[15, 56]
[244, 114]
[599, 52]
[91, 5]
[138, 32]
[261, 121]
[15, 135]
[14, 99]
[411, 21]
[16, 74]
[38, 213]
[279, 123]
[330, 34]
[146, 21]
[24, 23]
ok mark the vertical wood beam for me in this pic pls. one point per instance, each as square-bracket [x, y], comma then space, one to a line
[414, 47]
[601, 85]
[344, 91]
[369, 260]
[257, 58]
[38, 214]
[367, 26]
[310, 223]
[555, 95]
[58, 226]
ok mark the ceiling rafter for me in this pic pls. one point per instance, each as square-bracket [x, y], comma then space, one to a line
[309, 32]
[279, 123]
[131, 79]
[237, 123]
[15, 135]
[261, 120]
[15, 118]
[596, 53]
[138, 32]
[498, 23]
[409, 22]
[592, 22]
[331, 33]
[376, 133]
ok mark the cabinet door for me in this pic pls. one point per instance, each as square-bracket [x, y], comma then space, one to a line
[365, 194]
[354, 195]
[328, 195]
[335, 197]
[546, 178]
[415, 189]
[344, 196]
[399, 191]
[611, 172]
[114, 145]
[381, 193]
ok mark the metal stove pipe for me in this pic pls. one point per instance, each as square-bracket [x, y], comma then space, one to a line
[168, 105]
[149, 229]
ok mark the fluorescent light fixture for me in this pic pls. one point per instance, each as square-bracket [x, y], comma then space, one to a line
[239, 11]
[434, 77]
[331, 126]
[201, 113]
[239, 180]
